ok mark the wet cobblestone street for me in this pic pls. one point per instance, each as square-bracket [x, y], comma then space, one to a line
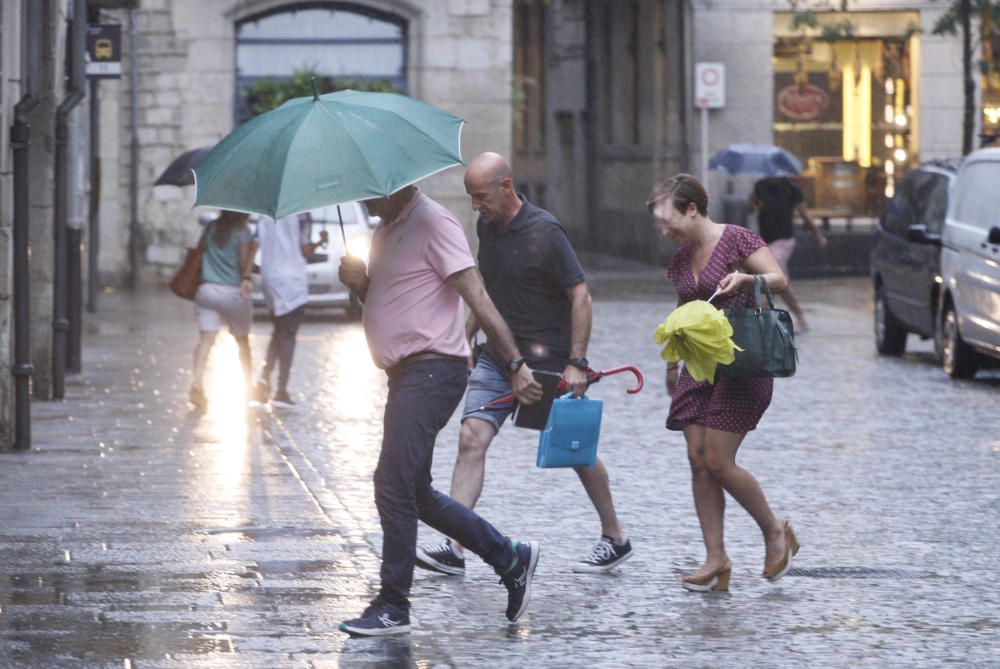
[140, 534]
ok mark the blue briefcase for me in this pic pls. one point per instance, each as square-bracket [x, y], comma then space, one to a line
[571, 433]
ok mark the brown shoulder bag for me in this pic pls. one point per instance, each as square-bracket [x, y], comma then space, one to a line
[185, 281]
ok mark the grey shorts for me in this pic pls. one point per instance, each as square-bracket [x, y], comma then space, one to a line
[217, 302]
[488, 383]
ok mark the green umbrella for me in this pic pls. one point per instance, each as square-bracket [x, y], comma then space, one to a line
[327, 149]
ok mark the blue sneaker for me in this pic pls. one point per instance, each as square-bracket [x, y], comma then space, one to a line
[518, 578]
[441, 558]
[379, 619]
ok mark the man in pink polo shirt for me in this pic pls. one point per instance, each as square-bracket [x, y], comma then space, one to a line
[420, 271]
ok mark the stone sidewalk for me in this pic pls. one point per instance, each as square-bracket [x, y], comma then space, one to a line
[138, 534]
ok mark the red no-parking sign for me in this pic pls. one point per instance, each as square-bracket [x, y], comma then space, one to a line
[709, 85]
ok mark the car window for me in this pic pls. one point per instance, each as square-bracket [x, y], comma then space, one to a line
[329, 214]
[931, 202]
[977, 199]
[898, 214]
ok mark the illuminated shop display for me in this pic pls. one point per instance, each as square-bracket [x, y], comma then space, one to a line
[845, 102]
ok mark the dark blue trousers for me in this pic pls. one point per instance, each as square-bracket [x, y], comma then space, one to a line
[422, 397]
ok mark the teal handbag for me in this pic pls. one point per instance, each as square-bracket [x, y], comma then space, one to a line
[571, 433]
[766, 336]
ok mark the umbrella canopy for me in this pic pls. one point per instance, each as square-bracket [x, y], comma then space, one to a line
[179, 173]
[756, 159]
[700, 335]
[324, 150]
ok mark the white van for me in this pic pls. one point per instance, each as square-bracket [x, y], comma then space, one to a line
[970, 267]
[325, 288]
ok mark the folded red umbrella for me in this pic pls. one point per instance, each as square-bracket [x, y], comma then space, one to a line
[506, 402]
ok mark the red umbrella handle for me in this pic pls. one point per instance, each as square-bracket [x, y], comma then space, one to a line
[625, 368]
[595, 376]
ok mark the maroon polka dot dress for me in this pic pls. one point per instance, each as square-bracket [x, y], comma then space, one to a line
[732, 405]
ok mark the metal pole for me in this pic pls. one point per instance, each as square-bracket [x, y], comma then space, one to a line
[704, 146]
[20, 141]
[74, 300]
[133, 181]
[94, 213]
[60, 284]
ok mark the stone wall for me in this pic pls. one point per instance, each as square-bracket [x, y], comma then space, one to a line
[459, 59]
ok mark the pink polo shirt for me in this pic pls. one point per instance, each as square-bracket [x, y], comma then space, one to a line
[409, 308]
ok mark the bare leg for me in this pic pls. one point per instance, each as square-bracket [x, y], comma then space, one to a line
[467, 478]
[720, 460]
[709, 500]
[201, 351]
[595, 482]
[243, 343]
[792, 300]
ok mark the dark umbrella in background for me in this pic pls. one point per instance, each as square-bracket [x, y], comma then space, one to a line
[765, 160]
[756, 160]
[179, 173]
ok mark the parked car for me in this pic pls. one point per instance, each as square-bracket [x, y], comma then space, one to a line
[325, 289]
[906, 258]
[970, 267]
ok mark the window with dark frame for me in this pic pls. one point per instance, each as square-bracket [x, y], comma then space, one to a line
[340, 41]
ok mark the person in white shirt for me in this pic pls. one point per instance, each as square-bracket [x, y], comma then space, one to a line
[284, 246]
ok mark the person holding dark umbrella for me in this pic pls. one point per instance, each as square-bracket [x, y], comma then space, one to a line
[777, 199]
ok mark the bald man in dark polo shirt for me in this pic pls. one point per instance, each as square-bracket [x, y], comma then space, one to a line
[536, 282]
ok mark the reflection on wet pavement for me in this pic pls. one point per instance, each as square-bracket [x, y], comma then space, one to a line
[142, 534]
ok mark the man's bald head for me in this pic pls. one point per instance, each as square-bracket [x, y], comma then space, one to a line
[489, 182]
[488, 167]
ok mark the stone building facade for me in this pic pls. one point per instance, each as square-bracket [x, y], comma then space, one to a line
[457, 56]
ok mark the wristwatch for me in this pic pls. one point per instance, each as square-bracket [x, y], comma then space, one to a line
[580, 363]
[515, 364]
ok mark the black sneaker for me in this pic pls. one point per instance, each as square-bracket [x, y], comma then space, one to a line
[283, 399]
[379, 619]
[605, 556]
[441, 558]
[518, 578]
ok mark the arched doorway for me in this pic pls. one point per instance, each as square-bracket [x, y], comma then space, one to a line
[344, 44]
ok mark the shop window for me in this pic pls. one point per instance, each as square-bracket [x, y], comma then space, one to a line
[847, 104]
[341, 42]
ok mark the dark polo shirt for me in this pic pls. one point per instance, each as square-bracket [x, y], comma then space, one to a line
[527, 266]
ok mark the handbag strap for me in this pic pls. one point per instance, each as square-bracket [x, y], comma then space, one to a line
[758, 282]
[204, 235]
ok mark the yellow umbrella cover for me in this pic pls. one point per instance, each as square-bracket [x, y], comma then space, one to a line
[700, 335]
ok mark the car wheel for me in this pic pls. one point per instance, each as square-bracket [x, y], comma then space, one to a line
[959, 361]
[890, 336]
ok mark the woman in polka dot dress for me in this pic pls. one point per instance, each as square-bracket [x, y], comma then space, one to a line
[716, 417]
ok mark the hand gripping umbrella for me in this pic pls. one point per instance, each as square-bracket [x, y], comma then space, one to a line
[700, 335]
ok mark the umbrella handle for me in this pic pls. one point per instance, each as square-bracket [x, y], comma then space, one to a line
[625, 368]
[343, 236]
[594, 376]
